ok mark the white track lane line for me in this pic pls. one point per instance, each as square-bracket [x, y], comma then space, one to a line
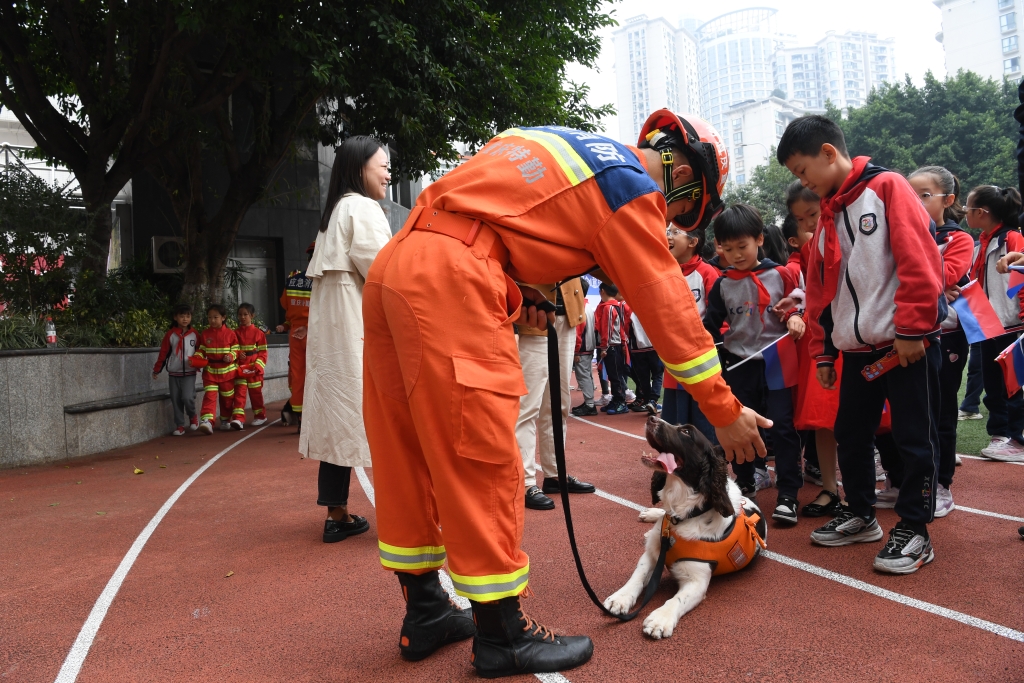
[623, 501]
[857, 584]
[446, 581]
[978, 457]
[80, 650]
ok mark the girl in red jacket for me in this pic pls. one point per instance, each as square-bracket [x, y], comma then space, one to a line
[938, 190]
[994, 211]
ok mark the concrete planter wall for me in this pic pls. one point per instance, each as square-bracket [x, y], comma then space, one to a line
[66, 403]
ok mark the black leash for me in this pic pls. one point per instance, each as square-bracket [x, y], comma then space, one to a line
[555, 385]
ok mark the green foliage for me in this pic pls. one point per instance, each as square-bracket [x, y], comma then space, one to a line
[135, 328]
[41, 239]
[766, 190]
[964, 123]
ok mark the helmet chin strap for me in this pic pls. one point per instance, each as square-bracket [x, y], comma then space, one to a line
[692, 190]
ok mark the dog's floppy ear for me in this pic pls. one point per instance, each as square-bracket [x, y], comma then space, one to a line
[658, 480]
[714, 482]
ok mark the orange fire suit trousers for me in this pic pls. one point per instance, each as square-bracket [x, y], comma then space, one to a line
[253, 388]
[211, 390]
[442, 383]
[296, 371]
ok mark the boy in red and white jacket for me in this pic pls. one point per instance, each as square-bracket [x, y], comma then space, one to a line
[612, 340]
[218, 350]
[252, 363]
[874, 283]
[176, 349]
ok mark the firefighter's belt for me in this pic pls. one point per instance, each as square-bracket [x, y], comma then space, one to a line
[462, 228]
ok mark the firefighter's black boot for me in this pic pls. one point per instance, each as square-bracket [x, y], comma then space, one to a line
[431, 620]
[508, 642]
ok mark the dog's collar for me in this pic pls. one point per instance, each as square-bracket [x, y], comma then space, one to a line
[696, 512]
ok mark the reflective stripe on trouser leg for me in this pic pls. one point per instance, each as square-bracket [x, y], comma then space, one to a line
[410, 559]
[494, 587]
[209, 408]
[240, 395]
[445, 460]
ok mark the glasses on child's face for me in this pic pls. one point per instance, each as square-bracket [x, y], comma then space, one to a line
[969, 209]
[675, 232]
[925, 196]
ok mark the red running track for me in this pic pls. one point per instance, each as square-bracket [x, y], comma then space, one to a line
[296, 609]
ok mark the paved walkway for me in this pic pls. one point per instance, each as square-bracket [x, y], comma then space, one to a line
[106, 575]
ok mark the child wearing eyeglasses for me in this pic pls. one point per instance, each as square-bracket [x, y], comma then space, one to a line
[939, 190]
[995, 211]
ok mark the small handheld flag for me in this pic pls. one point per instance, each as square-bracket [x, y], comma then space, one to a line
[1012, 362]
[781, 365]
[1016, 281]
[976, 314]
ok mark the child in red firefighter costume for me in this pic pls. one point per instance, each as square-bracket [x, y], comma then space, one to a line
[295, 302]
[442, 377]
[252, 363]
[216, 355]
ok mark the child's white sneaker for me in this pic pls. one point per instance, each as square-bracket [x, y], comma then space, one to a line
[205, 427]
[259, 421]
[236, 424]
[225, 426]
[194, 424]
[886, 498]
[1004, 450]
[180, 431]
[630, 396]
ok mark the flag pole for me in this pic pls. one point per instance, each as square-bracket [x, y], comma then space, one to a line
[756, 353]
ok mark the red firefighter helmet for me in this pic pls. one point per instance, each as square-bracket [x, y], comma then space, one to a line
[706, 154]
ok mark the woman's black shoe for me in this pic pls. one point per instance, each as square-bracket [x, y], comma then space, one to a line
[335, 531]
[535, 500]
[830, 509]
[572, 483]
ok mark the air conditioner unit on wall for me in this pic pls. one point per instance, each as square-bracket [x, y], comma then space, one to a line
[168, 255]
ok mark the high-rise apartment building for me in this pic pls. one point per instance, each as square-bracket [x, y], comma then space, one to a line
[739, 60]
[982, 36]
[655, 67]
[734, 53]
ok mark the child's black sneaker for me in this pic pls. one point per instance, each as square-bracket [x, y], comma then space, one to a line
[905, 552]
[812, 474]
[638, 406]
[785, 509]
[582, 410]
[847, 528]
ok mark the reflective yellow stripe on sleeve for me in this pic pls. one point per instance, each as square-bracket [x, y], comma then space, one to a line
[696, 370]
[406, 559]
[494, 587]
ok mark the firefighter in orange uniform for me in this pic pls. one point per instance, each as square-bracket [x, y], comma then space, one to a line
[442, 377]
[295, 302]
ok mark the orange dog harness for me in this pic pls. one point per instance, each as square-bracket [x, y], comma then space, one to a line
[732, 553]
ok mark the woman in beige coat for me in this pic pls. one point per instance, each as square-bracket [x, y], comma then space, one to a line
[352, 231]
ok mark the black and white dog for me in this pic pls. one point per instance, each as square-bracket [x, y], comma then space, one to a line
[706, 513]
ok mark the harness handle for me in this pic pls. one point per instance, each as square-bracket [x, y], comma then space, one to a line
[555, 386]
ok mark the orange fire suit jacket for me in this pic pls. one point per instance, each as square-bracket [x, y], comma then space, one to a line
[572, 201]
[252, 345]
[295, 299]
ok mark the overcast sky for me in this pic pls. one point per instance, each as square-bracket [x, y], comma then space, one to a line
[913, 23]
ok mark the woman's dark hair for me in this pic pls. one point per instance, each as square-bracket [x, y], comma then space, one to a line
[1002, 202]
[347, 174]
[219, 308]
[796, 192]
[949, 185]
[775, 246]
[247, 307]
[739, 220]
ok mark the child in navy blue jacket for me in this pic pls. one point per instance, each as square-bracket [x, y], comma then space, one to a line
[744, 297]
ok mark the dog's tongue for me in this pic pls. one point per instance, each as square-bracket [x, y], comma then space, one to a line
[668, 461]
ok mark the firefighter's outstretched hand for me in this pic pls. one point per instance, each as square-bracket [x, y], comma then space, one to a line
[531, 315]
[741, 440]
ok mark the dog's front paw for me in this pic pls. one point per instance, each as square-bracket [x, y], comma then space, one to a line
[619, 602]
[652, 515]
[660, 623]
